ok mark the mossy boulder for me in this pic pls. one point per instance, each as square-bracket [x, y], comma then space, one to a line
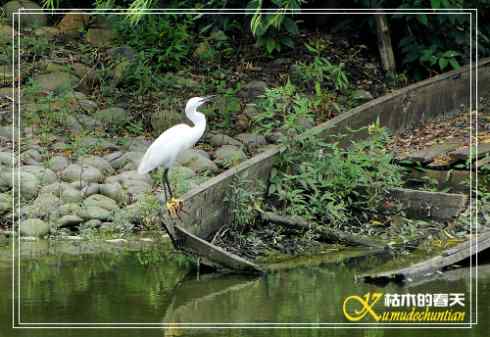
[113, 117]
[28, 20]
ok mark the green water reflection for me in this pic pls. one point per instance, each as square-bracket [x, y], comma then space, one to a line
[149, 284]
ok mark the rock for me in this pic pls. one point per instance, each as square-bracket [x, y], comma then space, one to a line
[102, 201]
[229, 155]
[93, 223]
[69, 220]
[253, 89]
[6, 132]
[362, 95]
[69, 209]
[135, 184]
[178, 173]
[129, 175]
[98, 143]
[113, 117]
[222, 139]
[72, 237]
[89, 189]
[275, 136]
[136, 189]
[34, 227]
[133, 213]
[94, 212]
[31, 157]
[6, 35]
[64, 191]
[28, 20]
[58, 163]
[100, 163]
[47, 32]
[114, 191]
[130, 157]
[181, 180]
[88, 76]
[75, 172]
[139, 145]
[250, 111]
[52, 67]
[196, 161]
[109, 227]
[163, 118]
[100, 37]
[46, 206]
[5, 180]
[6, 159]
[119, 72]
[28, 238]
[118, 226]
[113, 156]
[100, 21]
[251, 139]
[73, 24]
[56, 81]
[87, 106]
[203, 153]
[88, 122]
[305, 123]
[280, 62]
[45, 175]
[122, 53]
[266, 148]
[29, 185]
[117, 241]
[5, 203]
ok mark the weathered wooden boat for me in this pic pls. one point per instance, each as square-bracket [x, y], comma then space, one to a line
[439, 97]
[428, 267]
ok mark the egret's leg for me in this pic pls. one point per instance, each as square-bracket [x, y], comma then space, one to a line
[164, 184]
[168, 184]
[174, 206]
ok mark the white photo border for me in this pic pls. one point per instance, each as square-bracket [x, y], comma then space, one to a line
[16, 21]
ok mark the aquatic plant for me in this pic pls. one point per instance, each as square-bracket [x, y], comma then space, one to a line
[329, 182]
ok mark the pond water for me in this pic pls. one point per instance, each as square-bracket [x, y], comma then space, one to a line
[146, 283]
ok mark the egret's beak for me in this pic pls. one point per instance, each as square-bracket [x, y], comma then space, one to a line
[208, 98]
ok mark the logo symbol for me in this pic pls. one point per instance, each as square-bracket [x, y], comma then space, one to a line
[367, 303]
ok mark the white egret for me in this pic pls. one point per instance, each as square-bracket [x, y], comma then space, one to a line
[167, 147]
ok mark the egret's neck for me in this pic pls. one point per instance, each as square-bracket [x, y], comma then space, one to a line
[197, 118]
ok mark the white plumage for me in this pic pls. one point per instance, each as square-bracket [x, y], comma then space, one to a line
[167, 147]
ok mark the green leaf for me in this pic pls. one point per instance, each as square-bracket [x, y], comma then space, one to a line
[290, 26]
[450, 54]
[435, 3]
[454, 64]
[422, 18]
[287, 41]
[270, 45]
[310, 48]
[443, 62]
[426, 55]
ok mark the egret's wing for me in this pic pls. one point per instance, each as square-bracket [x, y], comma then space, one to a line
[165, 149]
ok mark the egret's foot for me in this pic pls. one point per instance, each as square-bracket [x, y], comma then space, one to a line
[174, 207]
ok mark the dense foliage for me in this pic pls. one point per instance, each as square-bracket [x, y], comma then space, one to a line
[330, 182]
[424, 44]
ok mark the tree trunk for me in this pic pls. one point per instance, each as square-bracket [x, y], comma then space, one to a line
[384, 44]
